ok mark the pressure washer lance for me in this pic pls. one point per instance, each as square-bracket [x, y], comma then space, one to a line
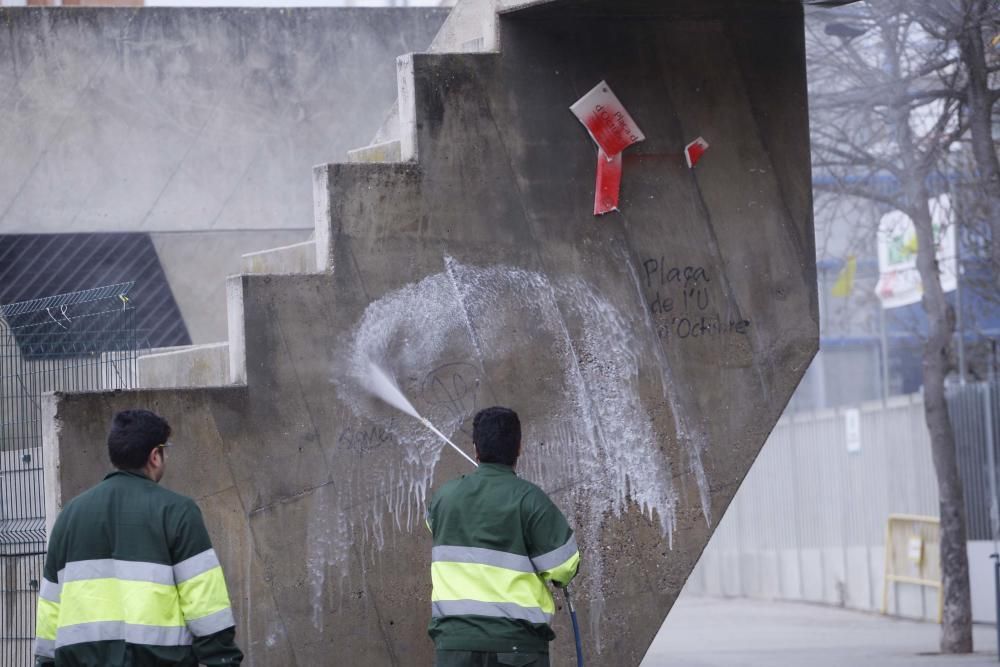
[383, 386]
[426, 422]
[569, 600]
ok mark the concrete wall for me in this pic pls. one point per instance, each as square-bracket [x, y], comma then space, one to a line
[197, 263]
[197, 125]
[296, 258]
[477, 276]
[194, 366]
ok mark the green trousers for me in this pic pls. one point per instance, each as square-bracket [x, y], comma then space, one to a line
[485, 659]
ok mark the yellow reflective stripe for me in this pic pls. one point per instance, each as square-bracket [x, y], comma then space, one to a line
[46, 619]
[133, 602]
[564, 572]
[488, 583]
[204, 594]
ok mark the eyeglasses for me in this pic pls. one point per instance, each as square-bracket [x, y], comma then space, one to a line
[163, 447]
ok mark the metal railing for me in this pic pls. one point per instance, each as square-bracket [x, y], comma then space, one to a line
[67, 342]
[975, 416]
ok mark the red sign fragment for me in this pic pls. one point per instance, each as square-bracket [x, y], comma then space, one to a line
[609, 182]
[606, 119]
[694, 150]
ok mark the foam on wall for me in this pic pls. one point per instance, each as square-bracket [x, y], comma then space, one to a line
[597, 437]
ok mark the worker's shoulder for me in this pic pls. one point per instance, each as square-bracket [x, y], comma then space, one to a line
[138, 486]
[449, 487]
[83, 500]
[174, 504]
[531, 492]
[174, 499]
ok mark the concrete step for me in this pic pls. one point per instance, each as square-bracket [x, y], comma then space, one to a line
[388, 151]
[191, 366]
[295, 258]
[471, 27]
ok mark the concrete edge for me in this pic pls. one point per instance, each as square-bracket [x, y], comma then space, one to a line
[407, 108]
[294, 258]
[184, 349]
[237, 330]
[321, 217]
[51, 429]
[385, 151]
[290, 246]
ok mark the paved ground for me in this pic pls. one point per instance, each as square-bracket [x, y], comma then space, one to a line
[708, 632]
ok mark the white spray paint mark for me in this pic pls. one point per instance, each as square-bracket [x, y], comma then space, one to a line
[328, 546]
[587, 430]
[449, 263]
[694, 440]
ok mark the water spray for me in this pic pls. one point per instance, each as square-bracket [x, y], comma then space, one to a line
[382, 386]
[433, 429]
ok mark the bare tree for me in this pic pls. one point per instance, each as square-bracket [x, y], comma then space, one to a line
[966, 22]
[886, 115]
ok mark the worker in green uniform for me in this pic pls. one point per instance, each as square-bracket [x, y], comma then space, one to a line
[131, 579]
[497, 540]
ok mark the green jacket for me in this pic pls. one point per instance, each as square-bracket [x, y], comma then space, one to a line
[131, 580]
[497, 540]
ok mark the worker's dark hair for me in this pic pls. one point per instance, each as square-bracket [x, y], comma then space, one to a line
[133, 435]
[496, 433]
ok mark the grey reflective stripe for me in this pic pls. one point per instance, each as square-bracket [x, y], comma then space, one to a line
[195, 565]
[110, 568]
[208, 625]
[493, 609]
[150, 635]
[45, 648]
[50, 591]
[483, 557]
[556, 557]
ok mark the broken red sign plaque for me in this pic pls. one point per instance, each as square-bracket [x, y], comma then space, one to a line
[694, 150]
[609, 124]
[609, 183]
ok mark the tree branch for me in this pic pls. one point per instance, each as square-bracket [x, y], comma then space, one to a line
[841, 187]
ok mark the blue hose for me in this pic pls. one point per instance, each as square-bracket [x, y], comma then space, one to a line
[576, 627]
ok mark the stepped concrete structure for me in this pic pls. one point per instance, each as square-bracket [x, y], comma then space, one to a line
[195, 125]
[649, 351]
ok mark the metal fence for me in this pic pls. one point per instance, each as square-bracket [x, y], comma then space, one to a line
[68, 342]
[975, 415]
[809, 520]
